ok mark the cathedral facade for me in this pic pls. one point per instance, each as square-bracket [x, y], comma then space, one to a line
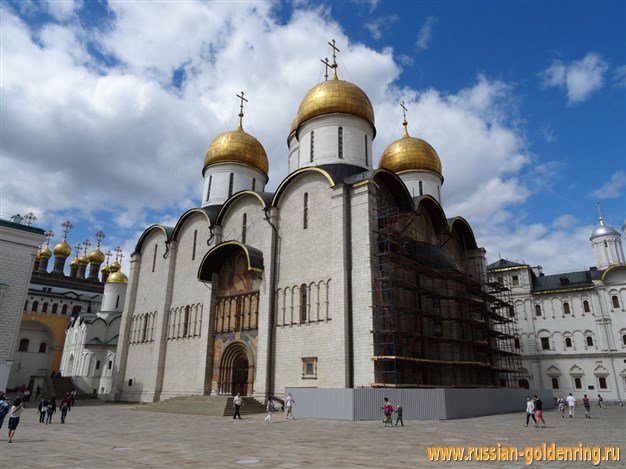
[347, 276]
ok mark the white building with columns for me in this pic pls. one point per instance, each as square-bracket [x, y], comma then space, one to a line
[572, 325]
[346, 276]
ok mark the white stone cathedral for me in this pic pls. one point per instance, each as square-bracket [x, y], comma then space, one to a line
[572, 325]
[346, 276]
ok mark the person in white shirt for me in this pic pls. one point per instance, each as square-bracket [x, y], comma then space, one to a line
[289, 403]
[571, 404]
[237, 403]
[530, 410]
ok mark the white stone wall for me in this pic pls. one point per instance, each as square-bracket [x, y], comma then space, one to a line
[431, 183]
[219, 177]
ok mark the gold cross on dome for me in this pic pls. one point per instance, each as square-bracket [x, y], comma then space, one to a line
[86, 245]
[334, 65]
[241, 109]
[100, 236]
[404, 122]
[67, 226]
[327, 63]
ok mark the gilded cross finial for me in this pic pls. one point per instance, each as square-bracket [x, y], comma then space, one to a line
[86, 245]
[334, 65]
[29, 218]
[77, 249]
[404, 122]
[100, 236]
[327, 63]
[48, 235]
[118, 254]
[67, 226]
[241, 109]
[108, 256]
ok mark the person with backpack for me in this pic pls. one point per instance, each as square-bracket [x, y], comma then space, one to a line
[14, 417]
[51, 408]
[4, 408]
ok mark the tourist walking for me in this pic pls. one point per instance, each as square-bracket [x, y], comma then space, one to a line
[64, 407]
[530, 410]
[4, 407]
[561, 405]
[14, 417]
[399, 415]
[51, 408]
[571, 404]
[42, 407]
[269, 407]
[237, 403]
[387, 409]
[289, 403]
[600, 401]
[539, 410]
[73, 397]
[587, 406]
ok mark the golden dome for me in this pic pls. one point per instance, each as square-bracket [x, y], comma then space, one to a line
[96, 257]
[106, 270]
[334, 96]
[44, 253]
[237, 146]
[117, 277]
[83, 260]
[115, 266]
[410, 154]
[74, 263]
[62, 249]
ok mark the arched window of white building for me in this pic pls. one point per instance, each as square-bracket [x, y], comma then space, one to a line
[589, 340]
[537, 310]
[568, 342]
[43, 347]
[615, 301]
[586, 308]
[305, 211]
[566, 309]
[555, 383]
[231, 183]
[340, 143]
[312, 144]
[23, 345]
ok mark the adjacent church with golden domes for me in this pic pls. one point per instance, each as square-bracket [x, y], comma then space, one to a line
[346, 276]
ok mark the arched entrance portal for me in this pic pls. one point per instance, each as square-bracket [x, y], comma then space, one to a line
[236, 374]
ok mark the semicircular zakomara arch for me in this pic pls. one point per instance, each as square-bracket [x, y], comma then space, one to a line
[214, 259]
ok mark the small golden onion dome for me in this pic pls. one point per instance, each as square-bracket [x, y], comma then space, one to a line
[115, 266]
[38, 255]
[96, 257]
[237, 146]
[334, 96]
[83, 260]
[62, 249]
[106, 270]
[45, 253]
[410, 154]
[117, 277]
[74, 264]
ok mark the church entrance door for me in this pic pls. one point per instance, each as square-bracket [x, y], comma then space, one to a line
[236, 371]
[240, 376]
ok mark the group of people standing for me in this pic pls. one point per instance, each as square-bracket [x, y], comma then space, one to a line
[571, 404]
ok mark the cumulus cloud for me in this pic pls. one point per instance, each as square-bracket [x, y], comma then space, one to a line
[579, 78]
[63, 10]
[425, 34]
[612, 188]
[379, 26]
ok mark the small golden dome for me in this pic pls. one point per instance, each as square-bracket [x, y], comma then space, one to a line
[334, 96]
[44, 253]
[62, 249]
[83, 260]
[106, 270]
[410, 154]
[117, 277]
[96, 257]
[237, 146]
[115, 266]
[74, 263]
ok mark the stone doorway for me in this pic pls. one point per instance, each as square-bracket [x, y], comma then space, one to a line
[236, 373]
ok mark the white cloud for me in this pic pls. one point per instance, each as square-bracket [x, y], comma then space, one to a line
[619, 76]
[425, 34]
[580, 78]
[63, 10]
[612, 188]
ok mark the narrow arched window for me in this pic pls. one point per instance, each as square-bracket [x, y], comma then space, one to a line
[340, 142]
[624, 339]
[154, 257]
[144, 332]
[195, 242]
[589, 341]
[568, 342]
[586, 308]
[305, 211]
[253, 184]
[537, 310]
[26, 306]
[64, 309]
[555, 383]
[312, 144]
[208, 192]
[55, 307]
[186, 322]
[304, 299]
[366, 154]
[578, 384]
[602, 382]
[44, 309]
[35, 305]
[23, 345]
[244, 222]
[231, 183]
[615, 301]
[98, 365]
[566, 309]
[43, 347]
[117, 302]
[421, 188]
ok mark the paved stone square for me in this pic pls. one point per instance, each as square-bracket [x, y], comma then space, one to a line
[99, 435]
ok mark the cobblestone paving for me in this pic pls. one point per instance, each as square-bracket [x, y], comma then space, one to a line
[98, 435]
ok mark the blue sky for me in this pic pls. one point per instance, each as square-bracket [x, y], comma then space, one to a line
[108, 108]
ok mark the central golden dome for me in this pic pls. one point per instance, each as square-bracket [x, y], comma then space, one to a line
[237, 146]
[44, 253]
[62, 249]
[334, 96]
[96, 256]
[117, 277]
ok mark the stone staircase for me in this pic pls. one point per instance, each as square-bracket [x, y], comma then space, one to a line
[216, 406]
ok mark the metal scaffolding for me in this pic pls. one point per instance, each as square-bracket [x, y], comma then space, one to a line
[437, 324]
